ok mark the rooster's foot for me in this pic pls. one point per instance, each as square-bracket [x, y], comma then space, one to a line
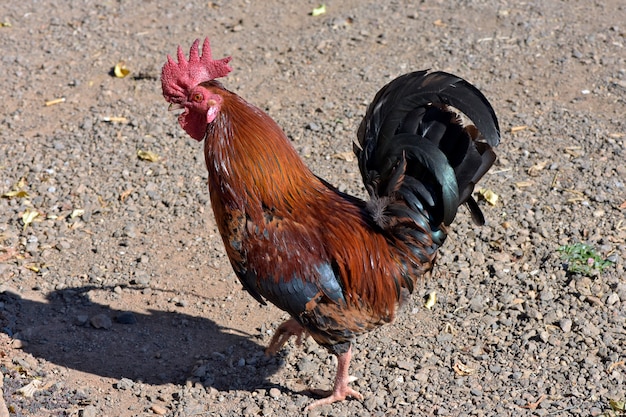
[282, 335]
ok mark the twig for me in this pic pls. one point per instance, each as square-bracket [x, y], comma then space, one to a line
[533, 406]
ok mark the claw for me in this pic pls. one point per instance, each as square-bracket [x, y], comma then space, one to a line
[341, 390]
[283, 334]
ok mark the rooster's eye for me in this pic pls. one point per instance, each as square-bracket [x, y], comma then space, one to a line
[197, 97]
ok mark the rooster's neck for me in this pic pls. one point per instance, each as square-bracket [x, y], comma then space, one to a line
[251, 162]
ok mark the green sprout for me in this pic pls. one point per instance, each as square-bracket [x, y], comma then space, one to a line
[583, 259]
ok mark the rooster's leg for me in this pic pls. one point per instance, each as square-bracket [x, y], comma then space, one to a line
[282, 335]
[341, 390]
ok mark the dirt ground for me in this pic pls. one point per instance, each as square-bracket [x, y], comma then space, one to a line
[116, 296]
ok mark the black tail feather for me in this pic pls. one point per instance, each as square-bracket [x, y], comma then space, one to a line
[413, 147]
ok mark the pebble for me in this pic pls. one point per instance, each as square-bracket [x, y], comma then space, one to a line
[313, 127]
[307, 366]
[126, 317]
[125, 384]
[612, 299]
[158, 409]
[274, 393]
[101, 321]
[565, 325]
[89, 411]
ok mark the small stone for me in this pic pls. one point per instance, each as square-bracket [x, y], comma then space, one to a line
[89, 411]
[274, 393]
[314, 127]
[476, 392]
[595, 411]
[125, 384]
[158, 409]
[306, 365]
[612, 299]
[406, 365]
[126, 317]
[565, 325]
[19, 344]
[101, 321]
[370, 403]
[141, 278]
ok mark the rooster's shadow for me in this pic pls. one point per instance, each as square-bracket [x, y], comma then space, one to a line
[158, 347]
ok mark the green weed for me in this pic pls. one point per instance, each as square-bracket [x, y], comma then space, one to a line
[583, 259]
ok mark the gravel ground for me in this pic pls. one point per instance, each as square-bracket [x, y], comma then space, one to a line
[116, 297]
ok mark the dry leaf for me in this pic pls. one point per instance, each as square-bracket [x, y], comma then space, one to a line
[489, 196]
[125, 194]
[55, 101]
[147, 156]
[534, 170]
[318, 11]
[463, 370]
[120, 70]
[77, 212]
[346, 156]
[29, 390]
[623, 205]
[619, 406]
[432, 299]
[439, 23]
[28, 217]
[15, 193]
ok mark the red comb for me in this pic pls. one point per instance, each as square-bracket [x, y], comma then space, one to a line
[176, 78]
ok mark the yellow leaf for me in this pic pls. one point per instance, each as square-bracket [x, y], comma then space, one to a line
[489, 196]
[28, 217]
[346, 156]
[77, 212]
[120, 70]
[318, 11]
[147, 156]
[32, 267]
[15, 193]
[432, 299]
[619, 406]
[463, 370]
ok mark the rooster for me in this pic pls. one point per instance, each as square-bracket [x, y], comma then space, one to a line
[338, 265]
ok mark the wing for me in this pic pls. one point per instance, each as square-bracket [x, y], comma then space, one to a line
[282, 261]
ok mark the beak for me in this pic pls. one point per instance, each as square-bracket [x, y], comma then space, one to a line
[175, 106]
